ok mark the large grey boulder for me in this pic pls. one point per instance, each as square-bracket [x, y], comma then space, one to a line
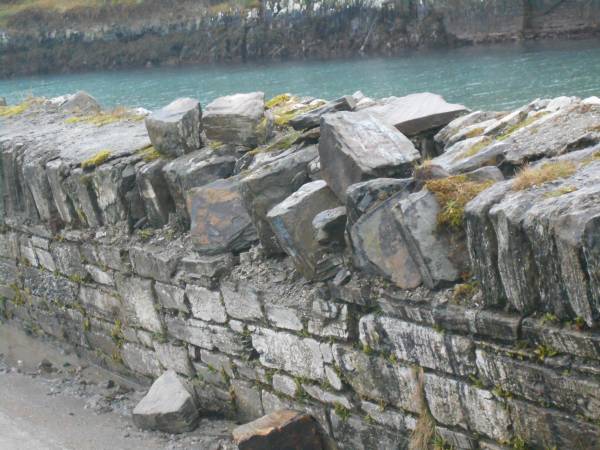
[194, 170]
[176, 129]
[291, 221]
[417, 113]
[269, 185]
[234, 119]
[311, 119]
[381, 249]
[356, 147]
[169, 406]
[82, 103]
[2, 101]
[220, 222]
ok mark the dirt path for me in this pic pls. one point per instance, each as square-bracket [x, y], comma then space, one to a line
[72, 408]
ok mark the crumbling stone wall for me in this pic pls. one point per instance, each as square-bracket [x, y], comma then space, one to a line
[378, 365]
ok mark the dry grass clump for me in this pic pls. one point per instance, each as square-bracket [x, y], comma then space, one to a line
[508, 132]
[424, 433]
[278, 100]
[530, 177]
[453, 194]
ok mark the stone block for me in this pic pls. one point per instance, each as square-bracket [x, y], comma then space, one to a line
[235, 119]
[269, 185]
[220, 223]
[138, 298]
[206, 304]
[291, 222]
[242, 301]
[355, 147]
[169, 406]
[176, 129]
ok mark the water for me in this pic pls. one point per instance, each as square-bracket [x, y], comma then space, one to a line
[492, 77]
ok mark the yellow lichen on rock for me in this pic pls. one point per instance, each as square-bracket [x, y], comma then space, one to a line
[98, 159]
[107, 117]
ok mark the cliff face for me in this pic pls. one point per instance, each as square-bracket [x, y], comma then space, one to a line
[188, 33]
[297, 254]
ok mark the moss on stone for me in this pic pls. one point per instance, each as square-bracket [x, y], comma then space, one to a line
[282, 143]
[475, 149]
[453, 194]
[15, 110]
[103, 118]
[98, 159]
[278, 100]
[465, 291]
[509, 131]
[530, 177]
[341, 411]
[149, 154]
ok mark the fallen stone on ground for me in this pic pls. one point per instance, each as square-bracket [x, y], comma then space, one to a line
[169, 406]
[176, 129]
[281, 430]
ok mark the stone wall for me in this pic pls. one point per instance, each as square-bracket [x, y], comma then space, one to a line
[378, 365]
[188, 32]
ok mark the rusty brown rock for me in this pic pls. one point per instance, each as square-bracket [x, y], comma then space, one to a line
[280, 430]
[220, 223]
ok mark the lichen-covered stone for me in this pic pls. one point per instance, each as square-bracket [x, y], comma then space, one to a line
[206, 304]
[242, 301]
[300, 356]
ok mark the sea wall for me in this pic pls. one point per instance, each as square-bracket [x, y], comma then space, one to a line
[228, 249]
[189, 32]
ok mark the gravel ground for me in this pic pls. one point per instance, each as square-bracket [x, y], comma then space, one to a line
[51, 400]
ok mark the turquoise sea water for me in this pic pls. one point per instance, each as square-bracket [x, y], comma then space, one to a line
[491, 77]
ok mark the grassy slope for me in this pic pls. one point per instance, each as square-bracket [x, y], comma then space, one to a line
[13, 7]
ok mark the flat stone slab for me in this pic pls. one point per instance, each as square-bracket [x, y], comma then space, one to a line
[416, 113]
[176, 129]
[234, 119]
[220, 222]
[280, 430]
[356, 147]
[169, 406]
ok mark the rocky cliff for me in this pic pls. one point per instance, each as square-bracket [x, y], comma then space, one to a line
[409, 272]
[166, 33]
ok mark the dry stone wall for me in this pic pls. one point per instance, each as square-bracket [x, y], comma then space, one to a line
[396, 346]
